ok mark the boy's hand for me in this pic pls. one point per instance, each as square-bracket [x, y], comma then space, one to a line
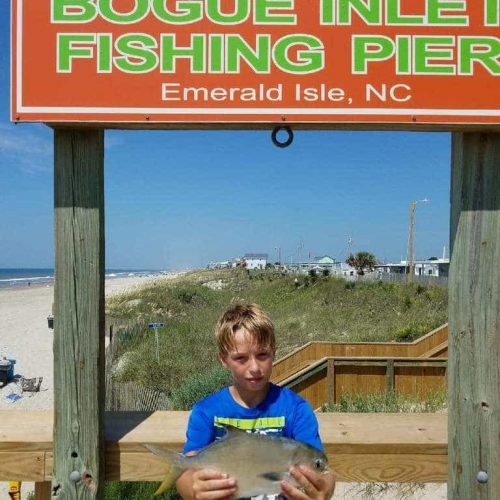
[312, 485]
[211, 484]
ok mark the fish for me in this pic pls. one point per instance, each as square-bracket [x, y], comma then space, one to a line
[256, 461]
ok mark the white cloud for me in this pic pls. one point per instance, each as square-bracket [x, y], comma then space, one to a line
[29, 147]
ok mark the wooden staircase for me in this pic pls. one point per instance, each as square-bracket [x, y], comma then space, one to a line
[322, 371]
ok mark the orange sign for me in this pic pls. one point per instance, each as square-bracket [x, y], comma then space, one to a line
[256, 61]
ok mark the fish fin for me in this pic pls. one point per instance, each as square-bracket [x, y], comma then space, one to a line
[230, 430]
[273, 476]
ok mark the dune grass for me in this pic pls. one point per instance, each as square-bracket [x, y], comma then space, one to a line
[387, 403]
[318, 308]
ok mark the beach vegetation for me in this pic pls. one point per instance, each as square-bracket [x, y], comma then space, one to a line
[328, 309]
[388, 402]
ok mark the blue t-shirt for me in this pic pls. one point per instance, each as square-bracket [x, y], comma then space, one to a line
[281, 413]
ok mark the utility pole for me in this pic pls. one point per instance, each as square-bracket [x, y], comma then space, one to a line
[413, 205]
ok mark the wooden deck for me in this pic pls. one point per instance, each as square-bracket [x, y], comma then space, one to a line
[360, 447]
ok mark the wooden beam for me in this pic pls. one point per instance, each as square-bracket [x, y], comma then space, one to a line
[389, 383]
[79, 314]
[474, 318]
[361, 447]
[330, 381]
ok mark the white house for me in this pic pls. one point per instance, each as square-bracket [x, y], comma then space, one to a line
[428, 267]
[255, 260]
[432, 267]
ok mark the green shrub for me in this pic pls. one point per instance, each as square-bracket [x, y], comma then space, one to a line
[411, 332]
[407, 301]
[117, 490]
[199, 386]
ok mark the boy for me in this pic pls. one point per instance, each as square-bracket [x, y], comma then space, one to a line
[245, 337]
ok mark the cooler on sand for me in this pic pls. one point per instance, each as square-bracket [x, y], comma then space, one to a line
[6, 370]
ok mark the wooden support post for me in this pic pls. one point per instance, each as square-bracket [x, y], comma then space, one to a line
[79, 314]
[474, 319]
[43, 491]
[330, 380]
[389, 383]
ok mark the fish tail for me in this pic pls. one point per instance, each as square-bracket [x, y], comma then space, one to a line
[177, 465]
[170, 479]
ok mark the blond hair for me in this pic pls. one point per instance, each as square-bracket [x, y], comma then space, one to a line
[249, 317]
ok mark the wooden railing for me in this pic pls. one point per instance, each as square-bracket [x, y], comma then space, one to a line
[314, 351]
[360, 447]
[326, 380]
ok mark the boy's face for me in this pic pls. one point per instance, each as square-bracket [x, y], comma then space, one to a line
[250, 364]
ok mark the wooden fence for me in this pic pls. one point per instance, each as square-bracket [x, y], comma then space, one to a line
[127, 396]
[326, 380]
[431, 345]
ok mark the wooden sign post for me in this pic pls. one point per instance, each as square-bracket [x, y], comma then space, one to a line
[474, 319]
[79, 314]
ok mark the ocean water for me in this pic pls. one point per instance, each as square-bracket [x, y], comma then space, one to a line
[24, 277]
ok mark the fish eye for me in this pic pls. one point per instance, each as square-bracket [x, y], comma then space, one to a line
[318, 463]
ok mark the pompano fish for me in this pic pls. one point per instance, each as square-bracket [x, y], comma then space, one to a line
[257, 462]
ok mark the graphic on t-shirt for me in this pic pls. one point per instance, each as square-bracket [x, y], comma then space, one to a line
[270, 426]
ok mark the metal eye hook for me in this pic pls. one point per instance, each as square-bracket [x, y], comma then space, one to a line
[274, 136]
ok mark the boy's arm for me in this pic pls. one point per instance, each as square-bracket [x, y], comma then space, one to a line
[205, 484]
[312, 485]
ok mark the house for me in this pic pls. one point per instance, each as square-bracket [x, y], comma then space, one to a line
[255, 260]
[432, 267]
[325, 260]
[429, 267]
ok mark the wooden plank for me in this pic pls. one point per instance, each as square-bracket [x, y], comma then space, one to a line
[390, 468]
[79, 313]
[394, 467]
[440, 350]
[343, 434]
[422, 364]
[474, 311]
[43, 491]
[414, 433]
[22, 466]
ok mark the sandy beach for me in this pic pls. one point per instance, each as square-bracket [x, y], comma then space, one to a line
[26, 337]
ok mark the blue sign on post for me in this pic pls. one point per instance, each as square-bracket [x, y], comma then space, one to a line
[155, 326]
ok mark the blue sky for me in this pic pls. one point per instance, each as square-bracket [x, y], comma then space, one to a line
[181, 199]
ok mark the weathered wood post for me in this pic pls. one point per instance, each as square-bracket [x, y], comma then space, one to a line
[474, 319]
[79, 314]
